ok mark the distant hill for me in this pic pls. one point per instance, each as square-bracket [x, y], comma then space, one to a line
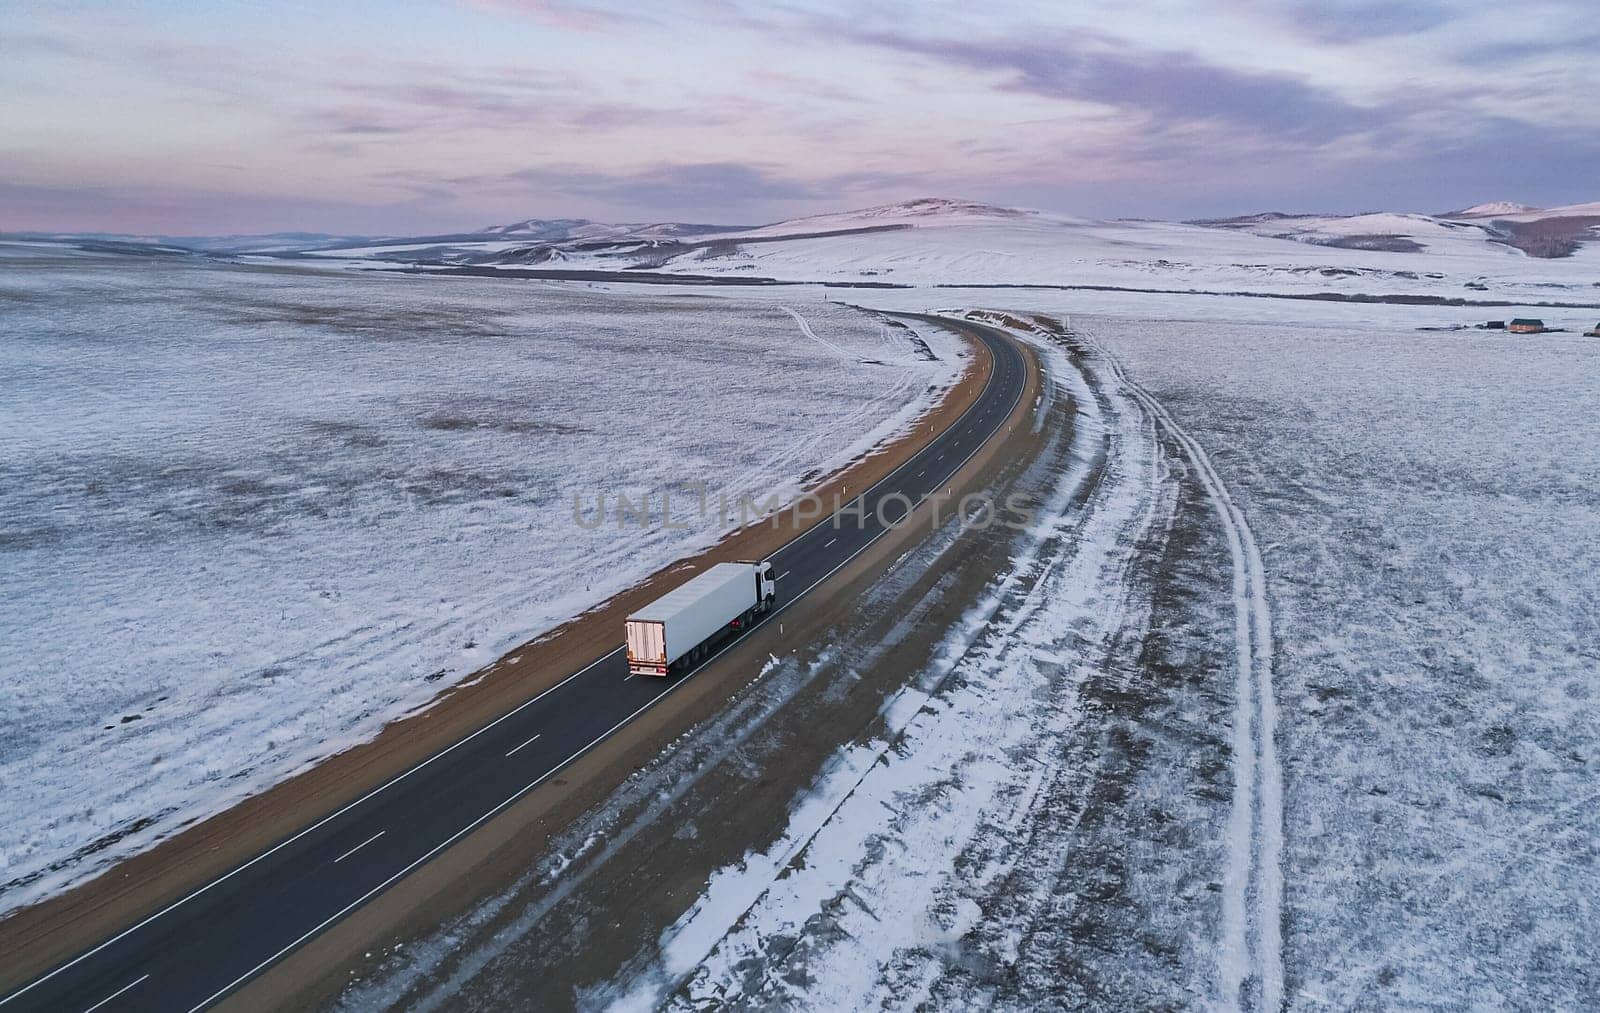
[1491, 210]
[1501, 248]
[1547, 233]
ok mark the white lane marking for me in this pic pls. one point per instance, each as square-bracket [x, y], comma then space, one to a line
[830, 541]
[536, 737]
[629, 676]
[113, 995]
[919, 474]
[358, 847]
[784, 574]
[988, 384]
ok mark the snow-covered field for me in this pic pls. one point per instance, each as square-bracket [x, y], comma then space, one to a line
[248, 516]
[1427, 508]
[1419, 832]
[1300, 707]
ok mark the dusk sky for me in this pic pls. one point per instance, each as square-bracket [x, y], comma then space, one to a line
[368, 117]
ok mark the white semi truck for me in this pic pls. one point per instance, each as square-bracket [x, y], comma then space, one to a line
[683, 625]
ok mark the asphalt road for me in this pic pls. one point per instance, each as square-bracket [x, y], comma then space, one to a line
[194, 952]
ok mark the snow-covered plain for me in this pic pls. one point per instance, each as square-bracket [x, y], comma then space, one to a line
[1423, 503]
[1425, 509]
[248, 516]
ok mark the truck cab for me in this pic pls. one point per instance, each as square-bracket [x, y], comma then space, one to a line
[766, 587]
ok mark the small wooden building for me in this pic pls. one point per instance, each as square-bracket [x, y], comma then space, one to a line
[1526, 325]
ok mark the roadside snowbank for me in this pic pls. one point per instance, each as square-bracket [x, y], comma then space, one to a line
[891, 858]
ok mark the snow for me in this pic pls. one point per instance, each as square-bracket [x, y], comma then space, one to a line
[556, 228]
[1401, 590]
[1456, 260]
[1591, 209]
[1422, 508]
[428, 249]
[1254, 874]
[862, 900]
[1437, 236]
[1493, 209]
[942, 242]
[926, 212]
[1426, 504]
[1525, 214]
[249, 516]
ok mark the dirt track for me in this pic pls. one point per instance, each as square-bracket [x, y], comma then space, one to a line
[36, 938]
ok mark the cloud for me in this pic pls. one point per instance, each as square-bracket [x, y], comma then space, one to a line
[662, 189]
[579, 17]
[665, 186]
[750, 110]
[409, 98]
[1169, 88]
[17, 45]
[181, 210]
[1345, 21]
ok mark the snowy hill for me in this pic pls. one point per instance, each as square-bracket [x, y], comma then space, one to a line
[1382, 231]
[562, 229]
[935, 241]
[1482, 230]
[1523, 257]
[1493, 209]
[924, 212]
[1527, 213]
[1549, 233]
[1589, 210]
[552, 229]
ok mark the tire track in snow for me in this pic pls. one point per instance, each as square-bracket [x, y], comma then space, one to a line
[805, 328]
[1251, 951]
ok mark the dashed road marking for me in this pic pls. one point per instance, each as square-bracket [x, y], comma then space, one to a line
[113, 995]
[358, 847]
[535, 738]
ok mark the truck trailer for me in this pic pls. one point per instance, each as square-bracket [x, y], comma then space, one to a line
[683, 625]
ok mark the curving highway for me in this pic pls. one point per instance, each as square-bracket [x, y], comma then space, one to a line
[192, 953]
